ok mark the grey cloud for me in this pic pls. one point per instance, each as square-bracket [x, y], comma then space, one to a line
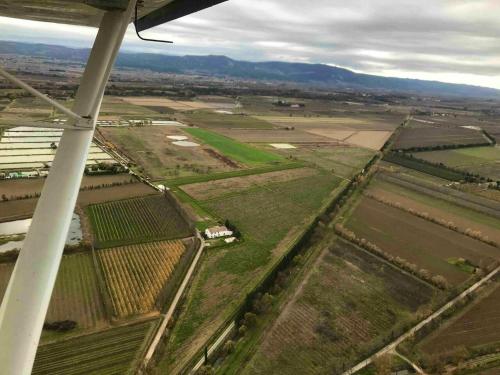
[460, 37]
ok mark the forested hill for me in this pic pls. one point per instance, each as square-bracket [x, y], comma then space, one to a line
[322, 75]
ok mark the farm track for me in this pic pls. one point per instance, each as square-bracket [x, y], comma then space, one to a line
[392, 346]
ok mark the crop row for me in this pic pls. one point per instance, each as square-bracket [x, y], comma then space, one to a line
[137, 219]
[108, 352]
[76, 294]
[136, 274]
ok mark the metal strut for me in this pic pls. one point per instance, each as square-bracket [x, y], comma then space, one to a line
[26, 300]
[77, 120]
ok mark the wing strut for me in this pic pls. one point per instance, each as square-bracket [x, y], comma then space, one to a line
[26, 300]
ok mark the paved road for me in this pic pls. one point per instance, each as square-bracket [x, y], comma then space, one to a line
[392, 346]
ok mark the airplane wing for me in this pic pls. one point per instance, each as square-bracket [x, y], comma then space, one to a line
[89, 12]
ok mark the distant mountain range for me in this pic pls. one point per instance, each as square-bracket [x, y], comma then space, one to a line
[318, 75]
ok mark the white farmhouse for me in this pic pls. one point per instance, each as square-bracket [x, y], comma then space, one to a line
[216, 232]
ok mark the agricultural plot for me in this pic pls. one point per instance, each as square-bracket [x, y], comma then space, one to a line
[355, 123]
[115, 108]
[136, 220]
[240, 152]
[347, 305]
[343, 161]
[411, 138]
[110, 352]
[477, 325]
[270, 218]
[218, 121]
[427, 245]
[484, 161]
[136, 274]
[462, 217]
[76, 294]
[178, 105]
[457, 197]
[276, 136]
[158, 158]
[216, 188]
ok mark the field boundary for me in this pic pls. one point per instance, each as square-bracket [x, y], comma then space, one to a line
[423, 323]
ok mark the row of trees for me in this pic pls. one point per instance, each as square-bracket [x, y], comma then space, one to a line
[476, 234]
[424, 274]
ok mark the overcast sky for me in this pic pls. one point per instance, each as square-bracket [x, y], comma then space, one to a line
[446, 40]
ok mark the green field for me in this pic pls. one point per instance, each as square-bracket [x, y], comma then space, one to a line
[136, 220]
[481, 160]
[342, 161]
[235, 150]
[270, 218]
[349, 303]
[76, 295]
[111, 352]
[210, 120]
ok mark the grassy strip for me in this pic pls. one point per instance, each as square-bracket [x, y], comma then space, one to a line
[235, 150]
[239, 173]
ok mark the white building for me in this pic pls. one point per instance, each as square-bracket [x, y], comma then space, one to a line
[216, 232]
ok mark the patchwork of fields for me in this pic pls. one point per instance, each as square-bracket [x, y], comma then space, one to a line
[484, 161]
[349, 302]
[436, 136]
[76, 294]
[136, 220]
[240, 152]
[427, 245]
[111, 352]
[477, 325]
[156, 156]
[270, 217]
[136, 274]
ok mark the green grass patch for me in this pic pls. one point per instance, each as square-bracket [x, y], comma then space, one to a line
[206, 119]
[462, 264]
[235, 150]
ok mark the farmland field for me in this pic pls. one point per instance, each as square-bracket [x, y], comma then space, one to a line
[484, 161]
[157, 157]
[354, 123]
[225, 121]
[110, 352]
[344, 161]
[428, 245]
[235, 150]
[136, 220]
[136, 274]
[270, 218]
[216, 188]
[430, 137]
[478, 324]
[76, 294]
[347, 304]
[437, 208]
[276, 136]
